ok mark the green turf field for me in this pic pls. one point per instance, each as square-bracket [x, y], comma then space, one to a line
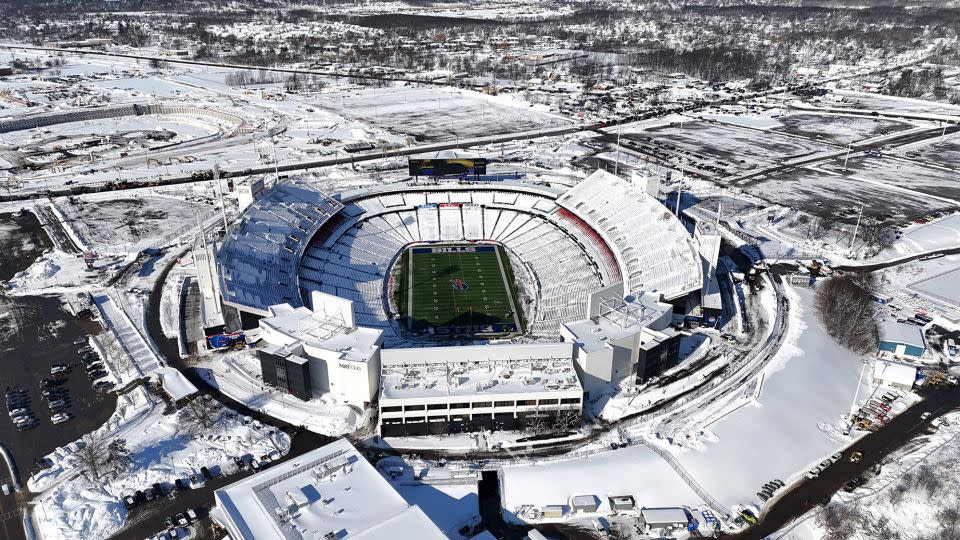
[461, 289]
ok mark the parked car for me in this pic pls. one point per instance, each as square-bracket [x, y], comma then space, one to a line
[18, 412]
[97, 374]
[5, 488]
[60, 418]
[57, 404]
[129, 501]
[182, 519]
[103, 386]
[192, 515]
[925, 415]
[197, 481]
[94, 366]
[206, 473]
[59, 370]
[814, 472]
[855, 457]
[763, 496]
[836, 457]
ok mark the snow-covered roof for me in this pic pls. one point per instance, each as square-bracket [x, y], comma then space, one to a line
[477, 370]
[323, 333]
[653, 249]
[906, 334]
[260, 255]
[175, 384]
[332, 489]
[620, 320]
[666, 516]
[892, 372]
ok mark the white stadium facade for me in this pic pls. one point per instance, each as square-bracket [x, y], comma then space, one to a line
[600, 266]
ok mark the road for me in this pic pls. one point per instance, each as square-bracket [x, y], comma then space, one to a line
[804, 495]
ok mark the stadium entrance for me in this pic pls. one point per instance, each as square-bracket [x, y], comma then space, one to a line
[458, 290]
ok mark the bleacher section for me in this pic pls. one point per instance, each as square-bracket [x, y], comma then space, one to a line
[355, 260]
[259, 259]
[653, 249]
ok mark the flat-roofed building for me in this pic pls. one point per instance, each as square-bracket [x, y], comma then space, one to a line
[330, 492]
[461, 389]
[318, 351]
[624, 339]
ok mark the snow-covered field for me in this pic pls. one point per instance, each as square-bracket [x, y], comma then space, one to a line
[439, 113]
[794, 422]
[161, 450]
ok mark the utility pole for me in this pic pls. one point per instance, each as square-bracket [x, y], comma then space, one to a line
[616, 166]
[856, 227]
[846, 158]
[223, 204]
[680, 186]
[276, 169]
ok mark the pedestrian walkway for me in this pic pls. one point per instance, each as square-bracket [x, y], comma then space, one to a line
[144, 358]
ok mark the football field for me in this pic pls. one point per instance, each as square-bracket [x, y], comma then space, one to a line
[459, 289]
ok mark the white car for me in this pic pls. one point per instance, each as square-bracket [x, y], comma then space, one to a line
[19, 412]
[6, 489]
[57, 404]
[925, 415]
[836, 457]
[814, 472]
[58, 370]
[59, 418]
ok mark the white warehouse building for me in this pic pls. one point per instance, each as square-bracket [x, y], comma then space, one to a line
[443, 390]
[330, 492]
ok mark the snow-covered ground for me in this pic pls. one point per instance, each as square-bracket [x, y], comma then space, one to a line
[161, 450]
[795, 421]
[236, 375]
[447, 494]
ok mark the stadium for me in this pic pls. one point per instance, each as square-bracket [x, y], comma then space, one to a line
[451, 263]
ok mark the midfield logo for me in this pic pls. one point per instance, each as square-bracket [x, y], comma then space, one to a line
[459, 284]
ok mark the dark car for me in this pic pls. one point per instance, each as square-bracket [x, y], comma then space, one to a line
[139, 496]
[94, 366]
[159, 489]
[181, 484]
[103, 386]
[206, 473]
[97, 374]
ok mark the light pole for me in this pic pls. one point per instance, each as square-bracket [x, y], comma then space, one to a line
[616, 165]
[856, 227]
[856, 395]
[846, 158]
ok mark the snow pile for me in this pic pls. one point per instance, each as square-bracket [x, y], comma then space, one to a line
[161, 450]
[234, 374]
[53, 272]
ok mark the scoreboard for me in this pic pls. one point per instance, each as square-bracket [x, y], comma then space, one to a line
[447, 167]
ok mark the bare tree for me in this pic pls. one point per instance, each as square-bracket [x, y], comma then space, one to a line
[115, 352]
[117, 454]
[566, 420]
[818, 227]
[846, 309]
[92, 456]
[200, 414]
